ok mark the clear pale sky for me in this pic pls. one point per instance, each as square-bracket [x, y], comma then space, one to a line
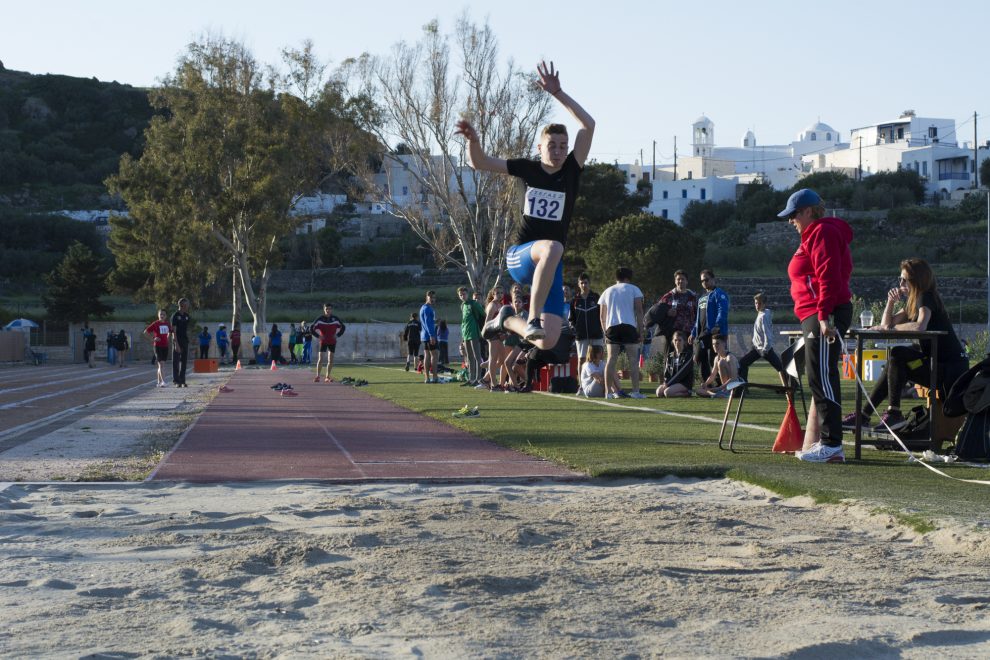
[644, 70]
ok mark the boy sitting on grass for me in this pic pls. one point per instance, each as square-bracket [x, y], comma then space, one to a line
[725, 371]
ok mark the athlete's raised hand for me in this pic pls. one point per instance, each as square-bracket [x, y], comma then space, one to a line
[464, 127]
[549, 78]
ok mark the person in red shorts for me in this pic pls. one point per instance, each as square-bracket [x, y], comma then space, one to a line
[159, 331]
[328, 327]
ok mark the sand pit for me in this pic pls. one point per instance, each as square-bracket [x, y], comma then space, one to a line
[677, 568]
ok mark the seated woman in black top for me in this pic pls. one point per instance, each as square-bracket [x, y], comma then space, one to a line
[923, 310]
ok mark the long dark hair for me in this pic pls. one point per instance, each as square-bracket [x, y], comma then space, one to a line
[921, 280]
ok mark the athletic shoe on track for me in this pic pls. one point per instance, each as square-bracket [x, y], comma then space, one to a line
[820, 453]
[224, 389]
[637, 395]
[328, 379]
[316, 380]
[288, 393]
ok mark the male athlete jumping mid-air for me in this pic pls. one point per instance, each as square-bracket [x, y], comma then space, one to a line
[551, 188]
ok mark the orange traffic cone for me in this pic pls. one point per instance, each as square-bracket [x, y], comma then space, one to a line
[238, 367]
[274, 368]
[790, 438]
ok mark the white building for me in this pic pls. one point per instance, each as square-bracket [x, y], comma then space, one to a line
[716, 172]
[926, 145]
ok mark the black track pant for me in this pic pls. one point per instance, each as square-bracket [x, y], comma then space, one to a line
[821, 366]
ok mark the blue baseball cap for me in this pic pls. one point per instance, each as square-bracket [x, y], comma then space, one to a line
[799, 200]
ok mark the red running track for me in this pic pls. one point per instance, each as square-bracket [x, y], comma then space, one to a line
[331, 432]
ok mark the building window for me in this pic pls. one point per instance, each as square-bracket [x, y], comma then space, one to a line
[684, 193]
[814, 137]
[663, 213]
[690, 174]
[405, 190]
[704, 194]
[665, 194]
[933, 132]
[828, 137]
[900, 133]
[924, 168]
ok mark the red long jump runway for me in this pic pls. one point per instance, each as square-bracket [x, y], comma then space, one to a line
[331, 432]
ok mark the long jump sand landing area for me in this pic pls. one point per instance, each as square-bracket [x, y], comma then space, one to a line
[331, 431]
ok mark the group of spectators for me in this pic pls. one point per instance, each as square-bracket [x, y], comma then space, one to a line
[690, 329]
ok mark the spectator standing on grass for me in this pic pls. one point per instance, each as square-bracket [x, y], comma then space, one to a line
[410, 335]
[762, 341]
[122, 346]
[328, 327]
[205, 339]
[158, 331]
[819, 273]
[275, 345]
[472, 320]
[222, 342]
[235, 341]
[495, 345]
[428, 335]
[712, 317]
[180, 343]
[586, 319]
[293, 339]
[515, 380]
[682, 308]
[111, 351]
[89, 344]
[443, 343]
[307, 335]
[256, 347]
[621, 314]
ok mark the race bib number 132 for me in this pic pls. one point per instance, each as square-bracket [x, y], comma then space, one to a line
[544, 204]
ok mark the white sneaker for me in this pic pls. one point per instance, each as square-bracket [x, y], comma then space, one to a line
[820, 453]
[613, 395]
[637, 395]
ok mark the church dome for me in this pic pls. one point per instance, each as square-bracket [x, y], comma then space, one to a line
[749, 140]
[703, 121]
[819, 132]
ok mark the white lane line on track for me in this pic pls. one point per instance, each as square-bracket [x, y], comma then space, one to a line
[346, 453]
[88, 376]
[44, 421]
[655, 411]
[16, 404]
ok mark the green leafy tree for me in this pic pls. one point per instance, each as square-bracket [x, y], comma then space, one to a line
[75, 287]
[653, 247]
[706, 218]
[603, 197]
[835, 187]
[224, 162]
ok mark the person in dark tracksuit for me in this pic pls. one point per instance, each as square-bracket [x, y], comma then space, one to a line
[585, 319]
[819, 272]
[180, 343]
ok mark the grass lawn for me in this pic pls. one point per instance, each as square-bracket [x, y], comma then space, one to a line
[653, 438]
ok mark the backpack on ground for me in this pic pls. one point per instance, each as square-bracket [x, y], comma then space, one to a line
[973, 439]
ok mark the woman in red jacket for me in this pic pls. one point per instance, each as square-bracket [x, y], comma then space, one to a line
[819, 272]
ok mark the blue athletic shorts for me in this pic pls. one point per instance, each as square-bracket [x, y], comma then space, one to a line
[521, 268]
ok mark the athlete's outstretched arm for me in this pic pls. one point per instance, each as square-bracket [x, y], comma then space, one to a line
[550, 82]
[477, 157]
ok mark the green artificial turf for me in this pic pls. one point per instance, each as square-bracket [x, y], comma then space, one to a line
[653, 438]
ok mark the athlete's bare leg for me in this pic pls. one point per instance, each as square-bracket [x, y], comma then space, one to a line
[546, 255]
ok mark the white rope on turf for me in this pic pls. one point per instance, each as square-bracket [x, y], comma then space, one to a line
[911, 456]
